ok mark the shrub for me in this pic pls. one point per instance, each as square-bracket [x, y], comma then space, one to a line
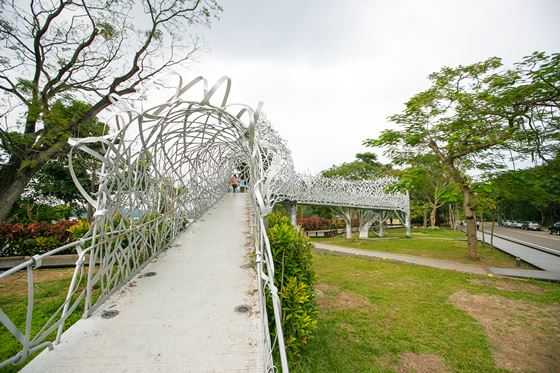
[294, 277]
[299, 314]
[79, 229]
[34, 238]
[316, 223]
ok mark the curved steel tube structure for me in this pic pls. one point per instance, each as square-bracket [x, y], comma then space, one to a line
[162, 168]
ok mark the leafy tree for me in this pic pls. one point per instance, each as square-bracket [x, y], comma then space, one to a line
[530, 194]
[54, 181]
[535, 101]
[29, 210]
[471, 113]
[428, 184]
[364, 167]
[61, 61]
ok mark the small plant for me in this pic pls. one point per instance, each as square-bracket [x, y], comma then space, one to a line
[294, 277]
[79, 229]
[299, 314]
[44, 244]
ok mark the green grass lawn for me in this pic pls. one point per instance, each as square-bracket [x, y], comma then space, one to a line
[445, 244]
[381, 316]
[51, 286]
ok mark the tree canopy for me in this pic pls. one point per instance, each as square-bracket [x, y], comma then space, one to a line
[471, 114]
[62, 61]
[366, 166]
[529, 194]
[428, 184]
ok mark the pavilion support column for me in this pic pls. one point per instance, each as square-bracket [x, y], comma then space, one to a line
[291, 208]
[347, 215]
[368, 218]
[382, 217]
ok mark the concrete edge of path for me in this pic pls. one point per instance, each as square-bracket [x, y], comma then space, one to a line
[526, 273]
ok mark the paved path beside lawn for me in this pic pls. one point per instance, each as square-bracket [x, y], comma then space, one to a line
[436, 263]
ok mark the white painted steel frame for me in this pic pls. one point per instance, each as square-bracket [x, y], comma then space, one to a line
[164, 167]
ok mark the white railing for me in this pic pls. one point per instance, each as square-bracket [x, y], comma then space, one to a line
[107, 259]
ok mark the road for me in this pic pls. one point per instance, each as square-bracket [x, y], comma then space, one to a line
[540, 238]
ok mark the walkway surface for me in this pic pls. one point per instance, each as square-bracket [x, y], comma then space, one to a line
[184, 318]
[526, 273]
[540, 259]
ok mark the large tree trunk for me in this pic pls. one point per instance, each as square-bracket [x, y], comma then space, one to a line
[542, 215]
[433, 214]
[425, 218]
[462, 180]
[471, 222]
[12, 184]
[482, 226]
[15, 175]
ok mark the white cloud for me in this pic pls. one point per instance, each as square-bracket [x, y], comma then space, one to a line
[330, 72]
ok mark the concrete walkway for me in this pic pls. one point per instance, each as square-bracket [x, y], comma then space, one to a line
[526, 273]
[544, 260]
[184, 318]
[435, 263]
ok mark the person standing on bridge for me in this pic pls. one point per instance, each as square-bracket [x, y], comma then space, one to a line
[233, 182]
[242, 184]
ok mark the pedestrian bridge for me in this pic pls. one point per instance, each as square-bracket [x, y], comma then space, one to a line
[163, 181]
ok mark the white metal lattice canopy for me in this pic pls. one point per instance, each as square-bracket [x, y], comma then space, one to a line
[165, 166]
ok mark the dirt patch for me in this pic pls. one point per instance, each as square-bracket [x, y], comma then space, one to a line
[509, 285]
[16, 284]
[387, 362]
[421, 363]
[331, 298]
[348, 327]
[523, 335]
[325, 288]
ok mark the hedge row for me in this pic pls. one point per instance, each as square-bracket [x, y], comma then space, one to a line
[39, 237]
[316, 223]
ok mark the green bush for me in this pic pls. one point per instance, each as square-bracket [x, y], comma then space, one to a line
[294, 277]
[299, 314]
[79, 229]
[34, 238]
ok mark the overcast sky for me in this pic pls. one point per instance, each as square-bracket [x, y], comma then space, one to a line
[331, 72]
